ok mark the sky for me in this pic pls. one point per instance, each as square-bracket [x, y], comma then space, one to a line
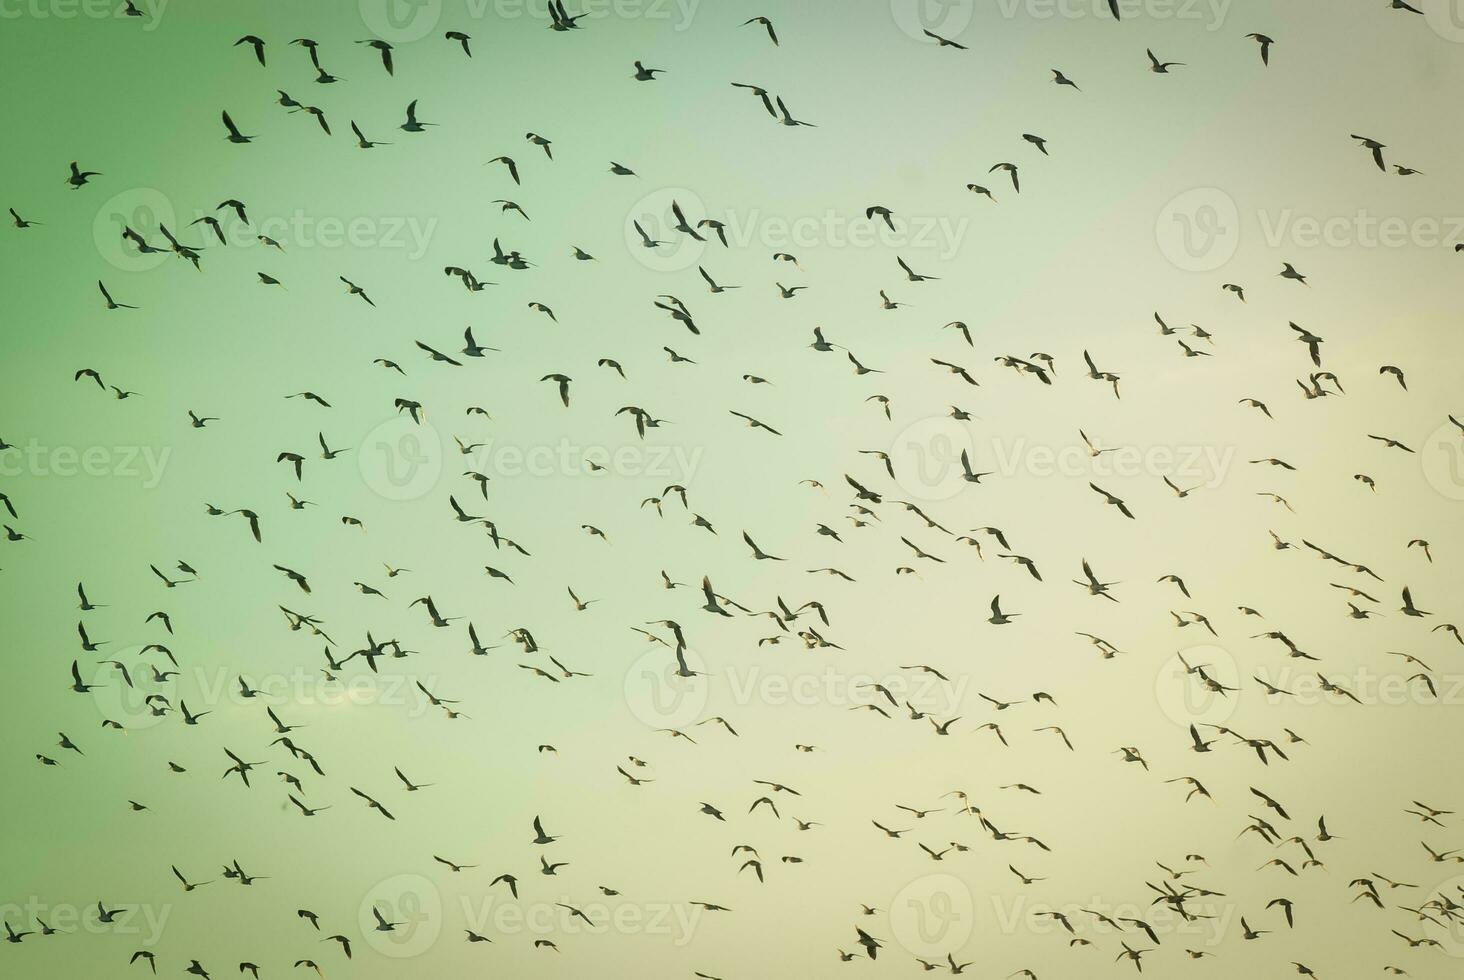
[1154, 191]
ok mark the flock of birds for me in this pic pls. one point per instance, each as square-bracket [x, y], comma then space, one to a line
[863, 501]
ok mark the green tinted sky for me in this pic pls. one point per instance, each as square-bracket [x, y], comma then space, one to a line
[1157, 190]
